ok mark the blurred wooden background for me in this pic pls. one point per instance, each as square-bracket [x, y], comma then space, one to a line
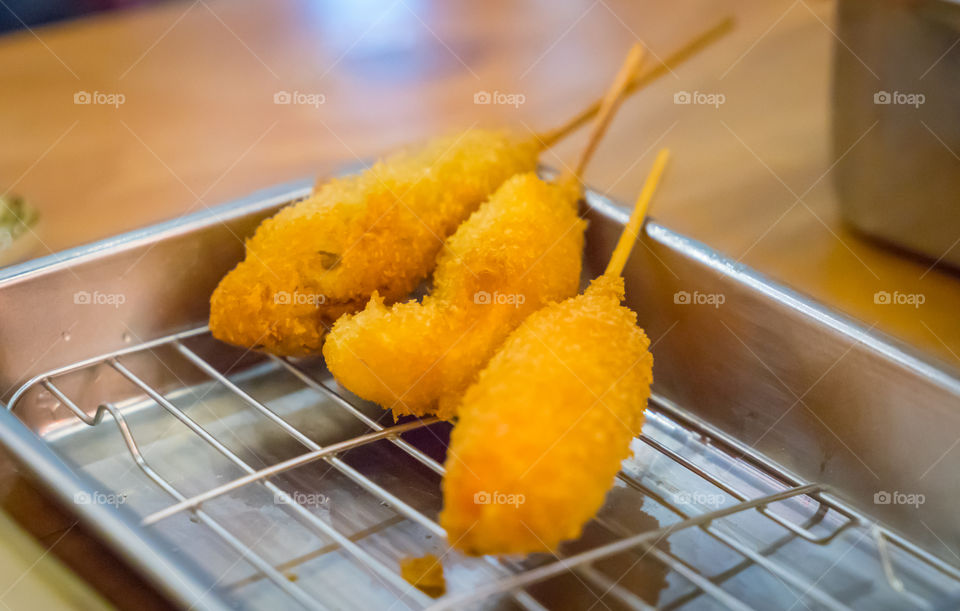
[199, 126]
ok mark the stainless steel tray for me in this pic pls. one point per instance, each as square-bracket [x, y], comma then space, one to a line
[777, 432]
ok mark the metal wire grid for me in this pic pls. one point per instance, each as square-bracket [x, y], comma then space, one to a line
[514, 578]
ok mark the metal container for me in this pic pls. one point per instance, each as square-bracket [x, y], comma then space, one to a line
[790, 456]
[897, 91]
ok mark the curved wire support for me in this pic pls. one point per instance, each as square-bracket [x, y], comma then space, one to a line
[296, 592]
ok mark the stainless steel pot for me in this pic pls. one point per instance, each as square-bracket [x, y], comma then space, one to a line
[897, 74]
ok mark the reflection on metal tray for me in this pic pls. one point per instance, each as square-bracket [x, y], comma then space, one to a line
[773, 426]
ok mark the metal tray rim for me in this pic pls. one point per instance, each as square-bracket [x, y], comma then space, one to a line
[125, 536]
[903, 353]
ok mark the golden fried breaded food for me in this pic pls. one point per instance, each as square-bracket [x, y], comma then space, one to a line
[542, 432]
[521, 250]
[379, 230]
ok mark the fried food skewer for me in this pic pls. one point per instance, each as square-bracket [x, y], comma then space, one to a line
[377, 231]
[519, 251]
[543, 431]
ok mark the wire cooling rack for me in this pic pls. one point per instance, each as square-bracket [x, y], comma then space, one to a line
[696, 519]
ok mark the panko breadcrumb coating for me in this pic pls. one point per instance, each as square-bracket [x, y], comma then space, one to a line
[542, 432]
[519, 251]
[378, 231]
[326, 256]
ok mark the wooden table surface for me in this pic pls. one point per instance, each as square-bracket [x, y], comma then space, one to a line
[199, 126]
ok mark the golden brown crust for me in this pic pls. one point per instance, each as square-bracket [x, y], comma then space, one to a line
[518, 252]
[379, 230]
[542, 432]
